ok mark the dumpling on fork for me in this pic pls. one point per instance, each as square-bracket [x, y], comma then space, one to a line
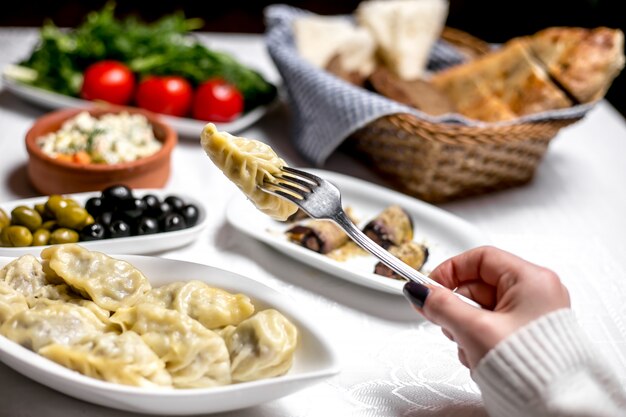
[248, 163]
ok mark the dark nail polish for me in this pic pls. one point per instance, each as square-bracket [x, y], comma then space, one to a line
[416, 293]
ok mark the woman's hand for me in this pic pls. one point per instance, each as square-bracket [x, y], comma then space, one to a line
[512, 291]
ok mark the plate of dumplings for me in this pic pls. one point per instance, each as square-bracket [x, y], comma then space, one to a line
[153, 335]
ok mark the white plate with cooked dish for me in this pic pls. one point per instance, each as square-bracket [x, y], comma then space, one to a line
[314, 359]
[444, 234]
[132, 245]
[185, 127]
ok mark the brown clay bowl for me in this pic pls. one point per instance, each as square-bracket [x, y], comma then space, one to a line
[52, 176]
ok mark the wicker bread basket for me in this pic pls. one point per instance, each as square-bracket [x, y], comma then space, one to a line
[438, 162]
[436, 159]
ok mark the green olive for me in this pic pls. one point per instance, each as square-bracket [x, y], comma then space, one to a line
[71, 216]
[26, 216]
[16, 236]
[41, 209]
[71, 202]
[63, 235]
[50, 225]
[41, 237]
[5, 220]
[55, 203]
[88, 220]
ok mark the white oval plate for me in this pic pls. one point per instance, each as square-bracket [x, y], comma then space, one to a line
[134, 245]
[444, 234]
[184, 126]
[314, 359]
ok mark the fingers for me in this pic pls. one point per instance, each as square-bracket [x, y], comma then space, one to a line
[442, 307]
[484, 263]
[460, 322]
[447, 334]
[463, 358]
[479, 291]
[461, 352]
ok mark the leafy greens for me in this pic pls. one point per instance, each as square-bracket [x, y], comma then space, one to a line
[165, 47]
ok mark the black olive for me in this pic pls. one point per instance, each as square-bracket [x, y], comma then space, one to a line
[176, 202]
[105, 219]
[133, 208]
[94, 231]
[95, 206]
[162, 210]
[190, 213]
[119, 228]
[116, 195]
[152, 202]
[172, 222]
[147, 226]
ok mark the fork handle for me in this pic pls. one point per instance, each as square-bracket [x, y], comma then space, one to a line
[387, 258]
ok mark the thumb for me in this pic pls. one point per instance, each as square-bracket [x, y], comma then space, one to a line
[440, 305]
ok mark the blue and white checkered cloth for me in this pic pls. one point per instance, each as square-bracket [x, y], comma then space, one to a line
[327, 109]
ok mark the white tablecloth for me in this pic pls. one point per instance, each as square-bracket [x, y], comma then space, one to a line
[571, 218]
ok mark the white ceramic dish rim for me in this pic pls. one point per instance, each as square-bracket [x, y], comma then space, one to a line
[277, 300]
[103, 244]
[370, 280]
[186, 127]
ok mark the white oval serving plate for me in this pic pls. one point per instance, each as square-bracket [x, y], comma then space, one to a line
[132, 245]
[314, 359]
[444, 234]
[185, 127]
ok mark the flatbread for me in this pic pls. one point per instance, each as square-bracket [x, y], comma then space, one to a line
[420, 94]
[583, 61]
[509, 76]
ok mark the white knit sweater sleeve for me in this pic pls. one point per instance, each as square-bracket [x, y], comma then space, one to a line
[549, 368]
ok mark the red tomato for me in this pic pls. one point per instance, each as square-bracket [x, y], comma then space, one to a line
[168, 95]
[109, 81]
[217, 101]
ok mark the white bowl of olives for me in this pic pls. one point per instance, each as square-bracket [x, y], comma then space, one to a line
[117, 219]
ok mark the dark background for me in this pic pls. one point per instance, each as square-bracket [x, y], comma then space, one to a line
[491, 20]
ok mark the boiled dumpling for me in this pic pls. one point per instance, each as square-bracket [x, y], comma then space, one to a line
[123, 359]
[62, 293]
[212, 307]
[44, 324]
[110, 283]
[247, 163]
[194, 355]
[25, 275]
[261, 346]
[11, 302]
[164, 295]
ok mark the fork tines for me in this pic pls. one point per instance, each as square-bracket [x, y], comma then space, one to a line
[303, 176]
[293, 182]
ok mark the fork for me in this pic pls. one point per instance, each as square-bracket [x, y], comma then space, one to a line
[320, 199]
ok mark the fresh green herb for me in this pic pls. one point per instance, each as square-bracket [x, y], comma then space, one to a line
[165, 47]
[90, 138]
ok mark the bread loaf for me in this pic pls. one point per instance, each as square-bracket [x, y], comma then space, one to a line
[404, 30]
